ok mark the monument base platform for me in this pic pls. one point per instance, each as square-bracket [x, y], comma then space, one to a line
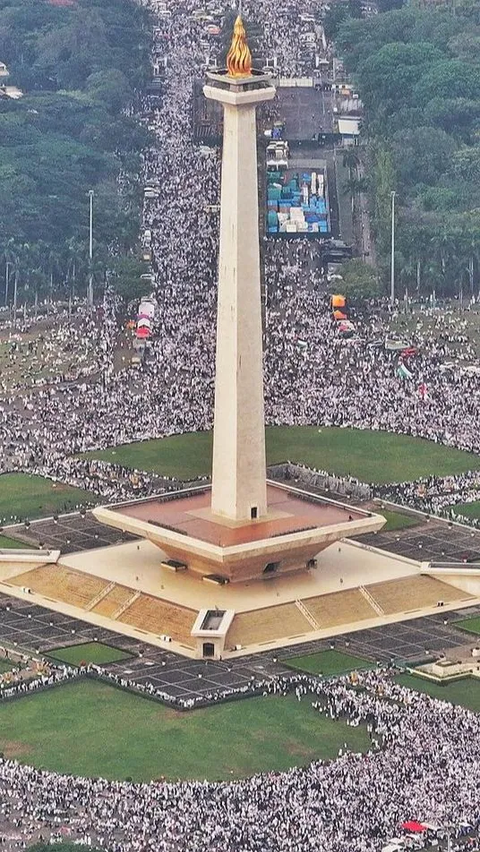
[296, 527]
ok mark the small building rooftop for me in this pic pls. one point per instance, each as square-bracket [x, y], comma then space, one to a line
[348, 126]
[10, 92]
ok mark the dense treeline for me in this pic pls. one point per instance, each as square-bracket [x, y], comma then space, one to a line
[78, 63]
[418, 73]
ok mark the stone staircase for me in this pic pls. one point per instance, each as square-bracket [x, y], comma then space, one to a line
[306, 614]
[102, 594]
[371, 600]
[125, 605]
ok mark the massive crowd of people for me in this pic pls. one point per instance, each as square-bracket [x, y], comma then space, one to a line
[425, 757]
[329, 382]
[423, 764]
[436, 495]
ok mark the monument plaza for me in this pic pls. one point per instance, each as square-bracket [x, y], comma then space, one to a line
[245, 565]
[242, 529]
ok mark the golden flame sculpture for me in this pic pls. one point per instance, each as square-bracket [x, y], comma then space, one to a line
[239, 58]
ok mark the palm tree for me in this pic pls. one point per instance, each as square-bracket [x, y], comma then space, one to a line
[472, 245]
[446, 253]
[22, 265]
[353, 187]
[10, 255]
[100, 264]
[37, 276]
[351, 160]
[407, 269]
[76, 258]
[53, 265]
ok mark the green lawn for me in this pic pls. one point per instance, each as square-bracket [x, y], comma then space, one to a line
[23, 496]
[465, 692]
[371, 456]
[396, 520]
[88, 652]
[63, 846]
[328, 663]
[472, 625]
[90, 728]
[6, 542]
[184, 456]
[470, 510]
[5, 665]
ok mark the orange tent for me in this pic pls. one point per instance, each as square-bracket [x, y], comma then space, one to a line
[338, 301]
[338, 315]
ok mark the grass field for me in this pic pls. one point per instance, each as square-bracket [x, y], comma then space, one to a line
[447, 318]
[88, 652]
[470, 510]
[328, 663]
[6, 542]
[371, 456]
[23, 496]
[465, 692]
[5, 665]
[91, 728]
[471, 625]
[396, 520]
[63, 846]
[52, 355]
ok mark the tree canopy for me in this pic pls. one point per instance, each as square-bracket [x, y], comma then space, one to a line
[359, 280]
[418, 73]
[78, 65]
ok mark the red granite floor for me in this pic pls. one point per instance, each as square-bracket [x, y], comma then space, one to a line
[295, 514]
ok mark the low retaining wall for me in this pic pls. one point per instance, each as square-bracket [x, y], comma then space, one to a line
[28, 555]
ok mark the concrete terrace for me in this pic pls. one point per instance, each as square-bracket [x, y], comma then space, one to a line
[125, 589]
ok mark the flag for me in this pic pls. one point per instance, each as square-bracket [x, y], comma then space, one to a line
[423, 390]
[403, 373]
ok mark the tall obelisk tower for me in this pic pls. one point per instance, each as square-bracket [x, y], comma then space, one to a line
[239, 490]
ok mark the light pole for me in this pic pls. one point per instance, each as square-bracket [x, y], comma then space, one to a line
[90, 252]
[8, 264]
[392, 259]
[15, 288]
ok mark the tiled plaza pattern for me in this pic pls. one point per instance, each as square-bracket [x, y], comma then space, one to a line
[432, 540]
[68, 533]
[38, 629]
[34, 628]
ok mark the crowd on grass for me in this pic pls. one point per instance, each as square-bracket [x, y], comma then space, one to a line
[437, 495]
[423, 763]
[19, 681]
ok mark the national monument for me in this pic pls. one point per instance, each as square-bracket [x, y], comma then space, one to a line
[244, 527]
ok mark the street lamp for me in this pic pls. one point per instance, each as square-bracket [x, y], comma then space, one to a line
[90, 251]
[392, 258]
